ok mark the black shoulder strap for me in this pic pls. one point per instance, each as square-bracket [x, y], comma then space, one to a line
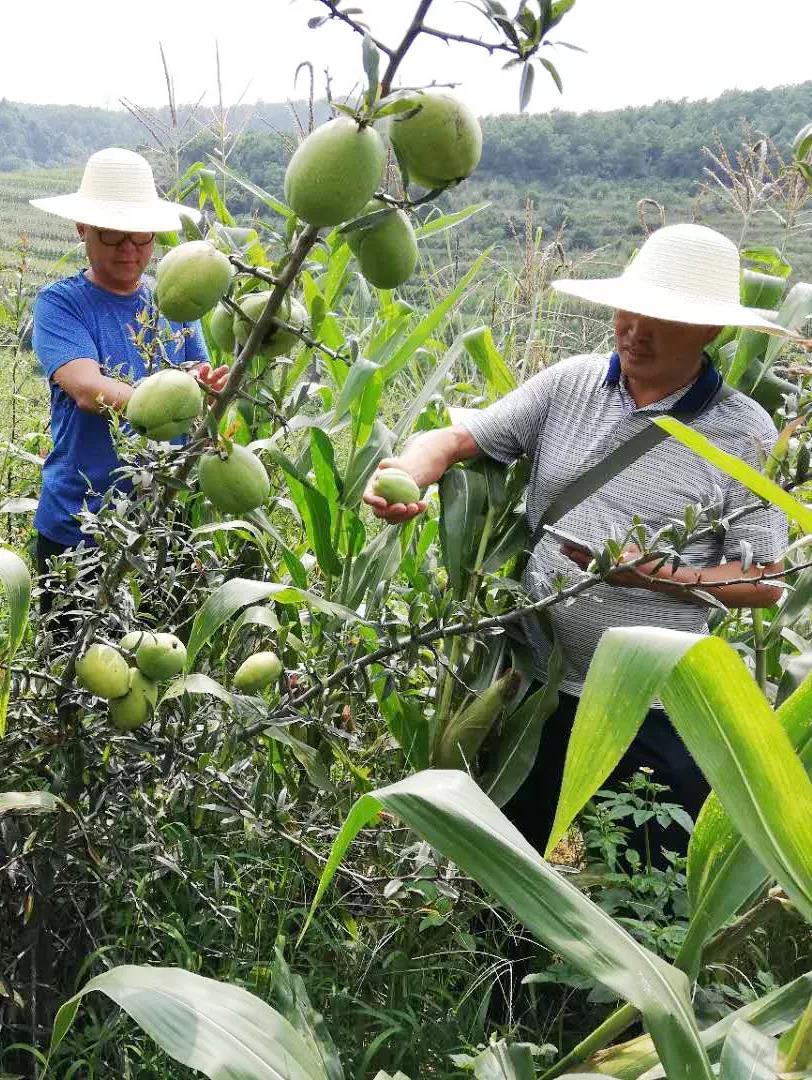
[615, 462]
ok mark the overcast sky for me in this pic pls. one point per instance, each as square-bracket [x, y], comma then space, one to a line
[639, 51]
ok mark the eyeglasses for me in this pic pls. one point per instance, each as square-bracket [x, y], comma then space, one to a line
[115, 238]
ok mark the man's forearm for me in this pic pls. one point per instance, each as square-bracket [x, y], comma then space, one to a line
[90, 388]
[754, 592]
[110, 394]
[431, 453]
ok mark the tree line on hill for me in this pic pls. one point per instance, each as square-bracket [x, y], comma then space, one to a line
[584, 172]
[662, 140]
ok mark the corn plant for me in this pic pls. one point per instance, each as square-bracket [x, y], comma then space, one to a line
[756, 828]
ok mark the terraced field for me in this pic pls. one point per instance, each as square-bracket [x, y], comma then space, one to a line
[48, 241]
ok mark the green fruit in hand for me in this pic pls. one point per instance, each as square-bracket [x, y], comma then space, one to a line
[103, 671]
[221, 328]
[165, 405]
[396, 486]
[441, 143]
[161, 657]
[131, 641]
[236, 483]
[334, 172]
[277, 341]
[190, 279]
[257, 672]
[137, 706]
[387, 250]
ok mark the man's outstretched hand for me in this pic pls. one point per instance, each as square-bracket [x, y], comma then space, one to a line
[394, 513]
[425, 458]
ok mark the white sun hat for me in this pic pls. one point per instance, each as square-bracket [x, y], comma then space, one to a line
[118, 192]
[682, 273]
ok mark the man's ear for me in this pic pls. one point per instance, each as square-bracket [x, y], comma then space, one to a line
[80, 228]
[712, 332]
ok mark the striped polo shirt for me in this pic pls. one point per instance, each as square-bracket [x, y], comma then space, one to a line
[570, 416]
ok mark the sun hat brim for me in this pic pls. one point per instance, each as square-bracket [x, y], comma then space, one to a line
[153, 216]
[625, 294]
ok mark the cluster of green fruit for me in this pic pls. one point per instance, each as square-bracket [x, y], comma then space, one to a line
[164, 406]
[338, 168]
[131, 688]
[131, 691]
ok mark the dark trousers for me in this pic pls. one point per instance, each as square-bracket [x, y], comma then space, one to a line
[656, 746]
[47, 549]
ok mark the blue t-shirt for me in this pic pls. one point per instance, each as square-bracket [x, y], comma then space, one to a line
[75, 319]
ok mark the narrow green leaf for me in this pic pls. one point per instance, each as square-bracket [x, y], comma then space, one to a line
[406, 720]
[727, 725]
[222, 1030]
[442, 222]
[28, 802]
[739, 470]
[526, 85]
[239, 593]
[723, 872]
[438, 375]
[259, 193]
[520, 737]
[462, 503]
[748, 1054]
[354, 385]
[16, 581]
[378, 561]
[365, 462]
[771, 1015]
[448, 810]
[553, 71]
[315, 511]
[426, 327]
[499, 379]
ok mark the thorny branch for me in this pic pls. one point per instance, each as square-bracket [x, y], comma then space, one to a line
[359, 28]
[466, 628]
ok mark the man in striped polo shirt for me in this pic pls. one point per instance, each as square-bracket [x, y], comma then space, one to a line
[672, 300]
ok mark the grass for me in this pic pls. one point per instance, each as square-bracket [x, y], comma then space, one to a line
[49, 239]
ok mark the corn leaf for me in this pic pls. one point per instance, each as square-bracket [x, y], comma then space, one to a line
[723, 872]
[28, 802]
[439, 224]
[748, 1055]
[238, 593]
[771, 1015]
[451, 812]
[222, 1030]
[16, 581]
[499, 379]
[426, 327]
[462, 502]
[746, 475]
[727, 725]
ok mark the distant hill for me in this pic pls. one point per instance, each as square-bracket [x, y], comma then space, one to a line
[50, 136]
[583, 172]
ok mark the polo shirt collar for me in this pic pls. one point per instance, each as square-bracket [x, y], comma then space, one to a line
[692, 399]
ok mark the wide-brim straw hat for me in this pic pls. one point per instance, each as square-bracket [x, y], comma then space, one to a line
[118, 192]
[682, 273]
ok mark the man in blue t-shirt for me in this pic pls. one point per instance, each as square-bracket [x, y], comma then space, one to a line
[85, 330]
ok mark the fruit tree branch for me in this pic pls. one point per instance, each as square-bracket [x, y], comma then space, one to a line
[359, 28]
[114, 574]
[466, 628]
[396, 57]
[490, 46]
